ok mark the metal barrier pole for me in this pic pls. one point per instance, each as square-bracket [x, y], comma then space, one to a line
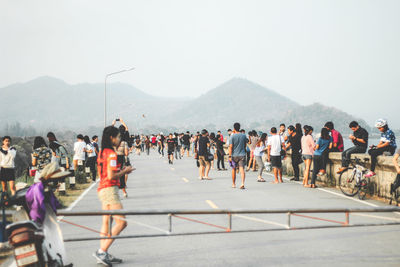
[229, 221]
[170, 222]
[347, 218]
[288, 220]
[110, 226]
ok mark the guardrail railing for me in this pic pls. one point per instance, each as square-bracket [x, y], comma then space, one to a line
[230, 214]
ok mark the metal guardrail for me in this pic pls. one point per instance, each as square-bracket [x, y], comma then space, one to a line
[230, 213]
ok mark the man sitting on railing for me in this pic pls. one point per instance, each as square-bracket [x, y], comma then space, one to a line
[360, 141]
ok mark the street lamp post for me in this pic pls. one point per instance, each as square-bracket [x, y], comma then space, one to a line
[105, 92]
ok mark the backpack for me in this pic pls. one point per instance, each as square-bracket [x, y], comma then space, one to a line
[62, 154]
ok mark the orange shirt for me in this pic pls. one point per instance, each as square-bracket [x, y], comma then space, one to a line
[107, 159]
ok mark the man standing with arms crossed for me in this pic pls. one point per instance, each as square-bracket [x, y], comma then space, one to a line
[237, 154]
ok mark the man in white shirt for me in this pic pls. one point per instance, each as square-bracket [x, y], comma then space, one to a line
[276, 144]
[79, 152]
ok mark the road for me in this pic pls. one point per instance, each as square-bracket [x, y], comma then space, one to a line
[157, 185]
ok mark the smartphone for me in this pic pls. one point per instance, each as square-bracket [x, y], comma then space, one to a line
[117, 119]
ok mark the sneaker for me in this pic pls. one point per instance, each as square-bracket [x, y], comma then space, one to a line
[113, 259]
[370, 174]
[102, 258]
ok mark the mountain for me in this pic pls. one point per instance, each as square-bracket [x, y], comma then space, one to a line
[235, 100]
[317, 115]
[50, 103]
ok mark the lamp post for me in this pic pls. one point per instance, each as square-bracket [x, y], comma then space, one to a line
[105, 92]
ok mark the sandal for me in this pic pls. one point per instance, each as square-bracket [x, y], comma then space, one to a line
[260, 180]
[242, 187]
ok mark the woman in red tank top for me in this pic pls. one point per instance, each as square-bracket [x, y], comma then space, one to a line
[110, 172]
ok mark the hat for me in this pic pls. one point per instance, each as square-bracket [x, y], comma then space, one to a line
[52, 171]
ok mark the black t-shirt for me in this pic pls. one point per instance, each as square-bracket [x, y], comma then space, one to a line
[186, 139]
[361, 133]
[295, 143]
[220, 144]
[162, 139]
[203, 141]
[171, 144]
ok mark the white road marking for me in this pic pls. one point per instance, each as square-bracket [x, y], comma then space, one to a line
[351, 198]
[212, 205]
[337, 194]
[59, 218]
[81, 196]
[260, 220]
[186, 180]
[146, 225]
[376, 217]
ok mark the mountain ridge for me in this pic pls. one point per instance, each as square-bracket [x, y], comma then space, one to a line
[51, 101]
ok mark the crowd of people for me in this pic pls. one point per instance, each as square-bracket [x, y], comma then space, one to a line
[254, 151]
[268, 150]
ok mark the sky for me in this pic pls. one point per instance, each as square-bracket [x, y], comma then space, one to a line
[341, 53]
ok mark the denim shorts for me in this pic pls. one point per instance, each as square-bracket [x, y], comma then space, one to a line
[307, 157]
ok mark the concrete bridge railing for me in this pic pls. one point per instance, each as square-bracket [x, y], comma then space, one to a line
[379, 184]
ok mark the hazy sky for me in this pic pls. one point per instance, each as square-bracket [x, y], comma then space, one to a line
[342, 53]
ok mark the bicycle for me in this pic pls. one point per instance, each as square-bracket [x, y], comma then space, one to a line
[352, 180]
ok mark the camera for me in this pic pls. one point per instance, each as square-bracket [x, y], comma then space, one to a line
[117, 119]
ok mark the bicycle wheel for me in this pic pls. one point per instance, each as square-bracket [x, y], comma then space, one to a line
[348, 183]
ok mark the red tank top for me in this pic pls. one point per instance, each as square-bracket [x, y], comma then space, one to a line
[106, 160]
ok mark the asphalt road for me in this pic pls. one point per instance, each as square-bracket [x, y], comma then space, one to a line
[157, 185]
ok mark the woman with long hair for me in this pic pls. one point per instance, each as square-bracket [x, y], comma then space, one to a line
[324, 143]
[307, 148]
[259, 151]
[253, 140]
[298, 129]
[110, 173]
